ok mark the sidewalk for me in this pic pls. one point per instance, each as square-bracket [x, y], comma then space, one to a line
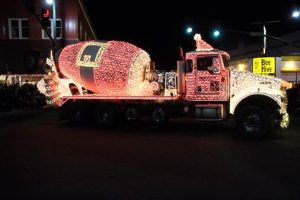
[22, 114]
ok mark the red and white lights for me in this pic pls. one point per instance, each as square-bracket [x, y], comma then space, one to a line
[113, 68]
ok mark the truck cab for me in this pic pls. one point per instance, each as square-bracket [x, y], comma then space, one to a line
[215, 91]
[206, 82]
[207, 76]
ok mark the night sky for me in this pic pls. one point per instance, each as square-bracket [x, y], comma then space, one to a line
[159, 28]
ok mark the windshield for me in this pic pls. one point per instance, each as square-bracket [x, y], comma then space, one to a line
[204, 62]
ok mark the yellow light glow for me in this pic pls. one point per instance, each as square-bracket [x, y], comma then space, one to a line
[241, 67]
[289, 66]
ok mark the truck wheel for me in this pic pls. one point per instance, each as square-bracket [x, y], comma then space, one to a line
[132, 114]
[76, 113]
[253, 122]
[159, 116]
[104, 116]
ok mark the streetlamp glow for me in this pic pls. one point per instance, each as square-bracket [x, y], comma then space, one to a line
[216, 33]
[50, 2]
[189, 30]
[296, 14]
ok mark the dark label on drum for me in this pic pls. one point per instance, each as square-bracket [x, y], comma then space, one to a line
[88, 59]
[90, 54]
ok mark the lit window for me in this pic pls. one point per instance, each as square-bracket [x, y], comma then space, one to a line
[58, 30]
[18, 28]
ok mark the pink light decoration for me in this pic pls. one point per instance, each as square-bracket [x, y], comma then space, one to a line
[154, 86]
[202, 85]
[204, 80]
[201, 45]
[119, 69]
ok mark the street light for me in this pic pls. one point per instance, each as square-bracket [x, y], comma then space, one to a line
[216, 33]
[296, 14]
[189, 30]
[53, 25]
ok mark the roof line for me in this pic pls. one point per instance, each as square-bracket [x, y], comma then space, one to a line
[240, 56]
[87, 17]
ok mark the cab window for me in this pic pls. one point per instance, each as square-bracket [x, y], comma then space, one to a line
[204, 62]
[189, 65]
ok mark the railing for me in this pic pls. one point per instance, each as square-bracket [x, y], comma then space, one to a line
[20, 79]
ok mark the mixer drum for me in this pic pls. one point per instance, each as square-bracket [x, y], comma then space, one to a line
[111, 68]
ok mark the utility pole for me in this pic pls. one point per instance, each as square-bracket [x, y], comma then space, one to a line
[264, 34]
[54, 19]
[264, 40]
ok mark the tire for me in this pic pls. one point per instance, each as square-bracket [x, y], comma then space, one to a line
[77, 114]
[253, 122]
[104, 116]
[159, 116]
[132, 114]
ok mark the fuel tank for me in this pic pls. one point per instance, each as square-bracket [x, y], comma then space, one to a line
[112, 68]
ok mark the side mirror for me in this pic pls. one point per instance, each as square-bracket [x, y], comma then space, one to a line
[188, 66]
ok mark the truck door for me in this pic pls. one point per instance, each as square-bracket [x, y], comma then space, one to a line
[210, 80]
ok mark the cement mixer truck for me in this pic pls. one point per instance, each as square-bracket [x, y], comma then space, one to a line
[104, 82]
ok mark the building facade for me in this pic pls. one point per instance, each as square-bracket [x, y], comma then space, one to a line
[282, 59]
[24, 45]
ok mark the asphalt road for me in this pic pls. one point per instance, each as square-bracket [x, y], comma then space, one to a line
[41, 158]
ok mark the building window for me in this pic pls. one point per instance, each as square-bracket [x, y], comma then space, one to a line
[18, 28]
[58, 30]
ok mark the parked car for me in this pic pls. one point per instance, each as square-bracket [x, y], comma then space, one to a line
[293, 95]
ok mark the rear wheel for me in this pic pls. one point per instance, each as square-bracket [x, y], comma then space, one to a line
[132, 114]
[104, 116]
[159, 116]
[77, 114]
[253, 122]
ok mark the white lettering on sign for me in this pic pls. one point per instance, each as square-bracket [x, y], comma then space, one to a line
[86, 58]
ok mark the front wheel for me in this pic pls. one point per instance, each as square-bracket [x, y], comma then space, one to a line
[253, 122]
[105, 116]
